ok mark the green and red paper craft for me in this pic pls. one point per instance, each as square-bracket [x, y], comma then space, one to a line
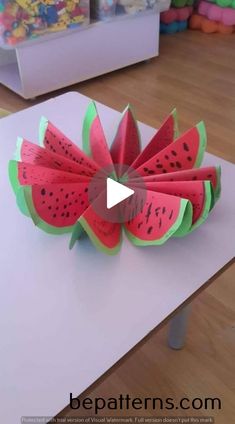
[51, 181]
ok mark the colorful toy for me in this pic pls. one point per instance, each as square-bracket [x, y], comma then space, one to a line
[215, 13]
[173, 15]
[173, 27]
[176, 18]
[209, 27]
[173, 195]
[24, 19]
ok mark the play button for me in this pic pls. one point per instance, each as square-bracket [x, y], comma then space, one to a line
[117, 199]
[116, 193]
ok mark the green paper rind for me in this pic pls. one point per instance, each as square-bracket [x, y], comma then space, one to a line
[21, 202]
[174, 114]
[217, 191]
[186, 223]
[90, 115]
[17, 155]
[42, 130]
[27, 190]
[202, 143]
[13, 175]
[138, 242]
[16, 187]
[76, 234]
[96, 242]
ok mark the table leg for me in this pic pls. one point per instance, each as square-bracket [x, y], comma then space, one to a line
[178, 328]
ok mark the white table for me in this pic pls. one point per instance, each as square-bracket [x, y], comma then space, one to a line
[67, 316]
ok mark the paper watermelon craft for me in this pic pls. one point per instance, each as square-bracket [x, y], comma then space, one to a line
[51, 181]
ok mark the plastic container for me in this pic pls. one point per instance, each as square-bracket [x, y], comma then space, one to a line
[26, 19]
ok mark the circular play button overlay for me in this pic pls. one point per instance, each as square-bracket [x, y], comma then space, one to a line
[116, 198]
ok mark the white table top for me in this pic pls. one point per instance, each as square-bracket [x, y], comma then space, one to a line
[67, 316]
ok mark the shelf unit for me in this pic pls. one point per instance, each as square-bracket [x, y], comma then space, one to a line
[54, 61]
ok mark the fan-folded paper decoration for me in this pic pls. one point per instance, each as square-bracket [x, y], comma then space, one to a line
[51, 181]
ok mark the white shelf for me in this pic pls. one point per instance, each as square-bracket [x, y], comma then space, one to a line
[52, 62]
[9, 76]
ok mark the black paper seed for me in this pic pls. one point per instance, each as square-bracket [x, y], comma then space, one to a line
[150, 229]
[185, 146]
[43, 192]
[157, 210]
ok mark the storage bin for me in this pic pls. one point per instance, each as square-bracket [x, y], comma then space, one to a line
[26, 19]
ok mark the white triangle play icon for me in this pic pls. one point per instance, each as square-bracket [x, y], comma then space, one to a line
[116, 193]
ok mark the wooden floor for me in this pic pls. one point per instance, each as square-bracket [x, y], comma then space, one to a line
[196, 73]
